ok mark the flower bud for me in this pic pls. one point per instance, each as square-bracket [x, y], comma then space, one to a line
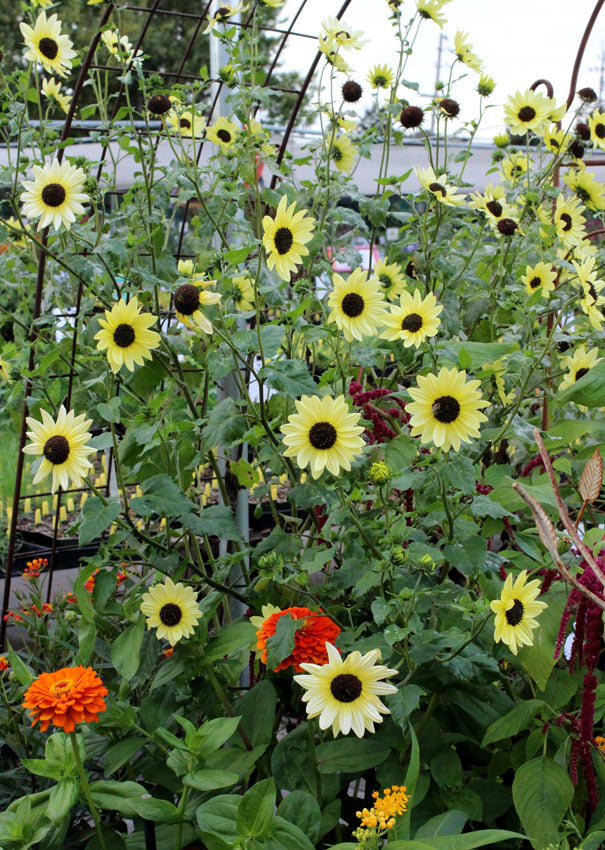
[588, 95]
[351, 91]
[412, 116]
[379, 473]
[399, 556]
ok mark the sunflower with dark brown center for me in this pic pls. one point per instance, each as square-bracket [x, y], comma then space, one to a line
[411, 116]
[46, 45]
[579, 364]
[172, 609]
[125, 335]
[357, 305]
[285, 238]
[516, 612]
[159, 104]
[344, 693]
[223, 132]
[527, 111]
[413, 320]
[61, 445]
[351, 91]
[446, 409]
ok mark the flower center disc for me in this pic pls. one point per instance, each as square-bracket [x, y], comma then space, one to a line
[170, 614]
[495, 208]
[185, 123]
[446, 409]
[352, 305]
[336, 153]
[159, 104]
[53, 194]
[566, 219]
[514, 615]
[61, 689]
[526, 113]
[56, 449]
[599, 131]
[224, 136]
[437, 187]
[124, 335]
[535, 282]
[412, 323]
[48, 47]
[322, 435]
[345, 687]
[580, 373]
[283, 240]
[187, 299]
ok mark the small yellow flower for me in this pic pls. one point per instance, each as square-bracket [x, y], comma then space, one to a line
[464, 52]
[223, 132]
[516, 611]
[343, 154]
[541, 276]
[439, 187]
[381, 77]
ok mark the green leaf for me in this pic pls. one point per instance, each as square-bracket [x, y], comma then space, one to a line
[449, 823]
[464, 359]
[126, 649]
[460, 473]
[403, 703]
[210, 780]
[255, 811]
[24, 674]
[348, 755]
[542, 793]
[513, 722]
[63, 797]
[257, 710]
[593, 842]
[411, 778]
[218, 816]
[446, 768]
[120, 753]
[479, 352]
[87, 634]
[159, 811]
[213, 734]
[468, 841]
[539, 659]
[302, 809]
[281, 644]
[289, 836]
[215, 521]
[96, 517]
[161, 495]
[290, 377]
[400, 453]
[230, 639]
[116, 796]
[110, 411]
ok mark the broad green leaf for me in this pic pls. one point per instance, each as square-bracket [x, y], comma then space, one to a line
[411, 778]
[210, 780]
[215, 521]
[480, 353]
[403, 703]
[116, 796]
[120, 753]
[400, 453]
[449, 823]
[159, 811]
[302, 809]
[96, 517]
[257, 710]
[255, 811]
[290, 377]
[126, 649]
[350, 755]
[24, 674]
[161, 495]
[217, 817]
[213, 734]
[231, 638]
[542, 793]
[281, 644]
[446, 768]
[63, 797]
[468, 841]
[513, 722]
[289, 836]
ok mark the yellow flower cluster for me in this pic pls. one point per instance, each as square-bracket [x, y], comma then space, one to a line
[382, 814]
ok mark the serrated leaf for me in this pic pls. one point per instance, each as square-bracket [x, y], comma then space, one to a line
[281, 644]
[591, 479]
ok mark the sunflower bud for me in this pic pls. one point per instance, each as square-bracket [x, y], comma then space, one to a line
[351, 91]
[588, 95]
[501, 140]
[412, 116]
[379, 473]
[227, 75]
[399, 556]
[270, 561]
[486, 85]
[71, 616]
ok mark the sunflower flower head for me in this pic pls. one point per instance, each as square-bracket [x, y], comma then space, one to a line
[516, 611]
[357, 305]
[343, 153]
[316, 628]
[286, 236]
[223, 132]
[242, 293]
[344, 693]
[540, 277]
[439, 187]
[381, 77]
[171, 609]
[464, 52]
[125, 335]
[61, 443]
[431, 10]
[526, 110]
[55, 195]
[586, 187]
[446, 409]
[47, 46]
[413, 320]
[323, 434]
[66, 697]
[579, 364]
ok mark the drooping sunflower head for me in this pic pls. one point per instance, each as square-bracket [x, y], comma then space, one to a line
[357, 305]
[381, 77]
[526, 111]
[390, 277]
[125, 335]
[413, 320]
[431, 10]
[56, 195]
[46, 45]
[579, 364]
[61, 443]
[188, 300]
[439, 187]
[343, 153]
[286, 236]
[323, 434]
[242, 293]
[586, 187]
[223, 132]
[223, 13]
[540, 277]
[340, 35]
[516, 611]
[569, 221]
[345, 693]
[446, 409]
[172, 609]
[464, 52]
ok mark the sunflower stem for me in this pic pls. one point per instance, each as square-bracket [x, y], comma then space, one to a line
[446, 508]
[86, 789]
[311, 734]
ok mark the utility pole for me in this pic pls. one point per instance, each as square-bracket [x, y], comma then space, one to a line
[442, 40]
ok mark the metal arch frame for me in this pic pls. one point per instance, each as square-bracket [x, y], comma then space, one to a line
[88, 65]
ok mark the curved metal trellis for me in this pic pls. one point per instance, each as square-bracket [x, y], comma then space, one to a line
[154, 11]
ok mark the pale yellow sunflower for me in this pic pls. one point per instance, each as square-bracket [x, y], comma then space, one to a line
[542, 277]
[526, 110]
[171, 609]
[125, 335]
[286, 236]
[390, 277]
[596, 122]
[439, 187]
[188, 300]
[343, 153]
[516, 612]
[55, 196]
[223, 132]
[46, 45]
[62, 445]
[413, 320]
[579, 364]
[357, 305]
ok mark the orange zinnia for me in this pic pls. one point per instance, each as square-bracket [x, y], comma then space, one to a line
[68, 696]
[309, 640]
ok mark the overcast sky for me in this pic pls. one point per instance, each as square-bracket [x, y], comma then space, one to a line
[519, 41]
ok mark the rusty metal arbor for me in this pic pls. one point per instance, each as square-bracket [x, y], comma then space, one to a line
[153, 12]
